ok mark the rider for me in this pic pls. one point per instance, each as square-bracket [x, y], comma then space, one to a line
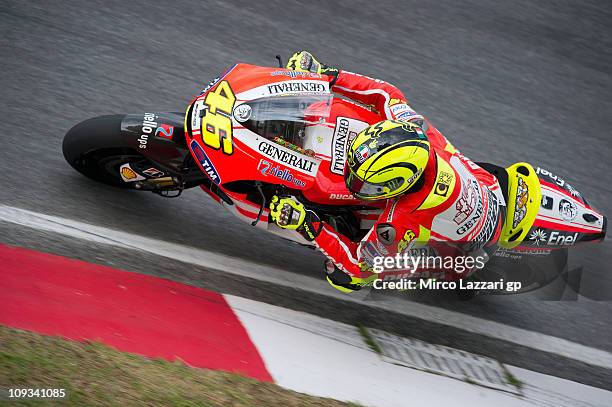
[433, 193]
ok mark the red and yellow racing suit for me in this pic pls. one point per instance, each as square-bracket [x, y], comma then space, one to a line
[457, 200]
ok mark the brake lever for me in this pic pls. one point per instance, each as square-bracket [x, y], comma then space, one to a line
[263, 203]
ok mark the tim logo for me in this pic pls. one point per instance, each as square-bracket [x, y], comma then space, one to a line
[205, 162]
[164, 131]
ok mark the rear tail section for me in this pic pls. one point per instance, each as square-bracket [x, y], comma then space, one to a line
[564, 217]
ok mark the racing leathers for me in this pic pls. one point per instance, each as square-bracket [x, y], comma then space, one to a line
[457, 207]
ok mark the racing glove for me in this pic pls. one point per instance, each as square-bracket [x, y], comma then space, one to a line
[290, 214]
[344, 282]
[304, 61]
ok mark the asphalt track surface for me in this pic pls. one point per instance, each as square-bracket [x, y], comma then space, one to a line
[505, 81]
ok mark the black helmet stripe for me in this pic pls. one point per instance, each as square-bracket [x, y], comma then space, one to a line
[406, 143]
[410, 166]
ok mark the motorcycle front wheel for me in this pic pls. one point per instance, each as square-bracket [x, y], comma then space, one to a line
[96, 149]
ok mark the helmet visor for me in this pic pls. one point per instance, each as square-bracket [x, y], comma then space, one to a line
[369, 190]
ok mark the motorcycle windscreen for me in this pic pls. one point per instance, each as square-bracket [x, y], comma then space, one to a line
[287, 117]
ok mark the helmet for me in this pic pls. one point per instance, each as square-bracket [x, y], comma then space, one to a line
[386, 160]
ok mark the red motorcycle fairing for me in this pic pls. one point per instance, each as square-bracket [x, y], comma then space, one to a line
[233, 147]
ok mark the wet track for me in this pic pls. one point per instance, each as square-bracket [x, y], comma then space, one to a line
[505, 82]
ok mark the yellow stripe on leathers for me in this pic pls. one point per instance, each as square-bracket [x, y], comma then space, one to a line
[443, 186]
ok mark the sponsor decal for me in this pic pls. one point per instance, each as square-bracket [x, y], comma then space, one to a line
[386, 233]
[382, 248]
[466, 203]
[362, 153]
[128, 174]
[205, 162]
[148, 124]
[407, 241]
[562, 239]
[341, 196]
[424, 252]
[396, 101]
[287, 157]
[557, 180]
[369, 251]
[153, 172]
[196, 114]
[488, 229]
[547, 202]
[517, 255]
[472, 221]
[568, 210]
[295, 74]
[341, 140]
[297, 87]
[210, 85]
[242, 113]
[414, 176]
[412, 117]
[520, 204]
[266, 168]
[402, 108]
[509, 254]
[476, 213]
[540, 237]
[443, 183]
[164, 131]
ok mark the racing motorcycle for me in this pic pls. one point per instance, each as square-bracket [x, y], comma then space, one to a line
[256, 132]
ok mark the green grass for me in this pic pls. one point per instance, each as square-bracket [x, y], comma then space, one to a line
[513, 380]
[96, 375]
[367, 338]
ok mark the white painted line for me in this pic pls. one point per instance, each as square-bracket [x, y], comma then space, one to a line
[549, 391]
[237, 266]
[301, 359]
[318, 356]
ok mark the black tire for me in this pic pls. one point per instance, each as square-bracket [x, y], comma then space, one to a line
[96, 148]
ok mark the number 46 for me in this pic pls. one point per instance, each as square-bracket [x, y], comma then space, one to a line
[217, 126]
